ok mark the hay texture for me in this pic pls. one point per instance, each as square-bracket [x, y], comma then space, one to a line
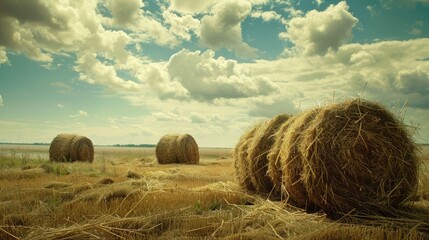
[357, 157]
[70, 148]
[176, 148]
[258, 149]
[291, 158]
[241, 160]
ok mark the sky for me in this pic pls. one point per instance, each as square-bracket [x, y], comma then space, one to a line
[131, 71]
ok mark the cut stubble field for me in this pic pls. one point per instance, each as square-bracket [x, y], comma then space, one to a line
[126, 194]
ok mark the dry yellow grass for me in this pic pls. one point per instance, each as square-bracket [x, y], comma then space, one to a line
[204, 201]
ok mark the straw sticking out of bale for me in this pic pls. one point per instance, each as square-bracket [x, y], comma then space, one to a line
[175, 148]
[357, 157]
[258, 149]
[70, 148]
[241, 163]
[291, 160]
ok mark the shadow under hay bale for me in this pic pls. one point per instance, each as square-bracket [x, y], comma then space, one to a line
[70, 148]
[240, 154]
[175, 148]
[258, 149]
[358, 157]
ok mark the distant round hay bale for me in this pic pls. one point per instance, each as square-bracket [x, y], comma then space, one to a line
[71, 147]
[82, 149]
[357, 157]
[187, 151]
[176, 148]
[258, 150]
[241, 161]
[291, 159]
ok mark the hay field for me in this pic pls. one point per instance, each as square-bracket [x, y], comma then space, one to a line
[126, 194]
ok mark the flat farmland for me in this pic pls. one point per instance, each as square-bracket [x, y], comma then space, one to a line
[126, 194]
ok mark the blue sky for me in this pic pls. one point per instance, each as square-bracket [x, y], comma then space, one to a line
[130, 71]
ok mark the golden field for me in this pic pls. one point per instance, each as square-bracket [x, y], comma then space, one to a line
[126, 194]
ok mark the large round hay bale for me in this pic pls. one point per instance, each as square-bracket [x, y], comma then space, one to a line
[291, 159]
[187, 149]
[274, 170]
[258, 150]
[166, 149]
[71, 147]
[240, 153]
[176, 148]
[357, 157]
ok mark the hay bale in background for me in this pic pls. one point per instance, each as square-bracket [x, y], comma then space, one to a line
[291, 159]
[82, 149]
[258, 150]
[187, 149]
[71, 147]
[240, 154]
[175, 148]
[358, 157]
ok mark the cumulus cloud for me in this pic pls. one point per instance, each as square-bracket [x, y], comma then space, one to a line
[181, 26]
[266, 16]
[416, 81]
[207, 78]
[222, 28]
[77, 28]
[159, 80]
[270, 106]
[317, 32]
[130, 14]
[192, 6]
[93, 71]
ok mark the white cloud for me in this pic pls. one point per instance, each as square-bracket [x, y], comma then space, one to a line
[413, 81]
[266, 16]
[94, 72]
[181, 26]
[222, 28]
[80, 113]
[130, 14]
[192, 6]
[397, 68]
[318, 32]
[1, 101]
[59, 105]
[158, 79]
[269, 106]
[207, 78]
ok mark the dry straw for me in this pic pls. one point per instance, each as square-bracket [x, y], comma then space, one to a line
[70, 148]
[291, 159]
[258, 150]
[241, 160]
[357, 157]
[175, 148]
